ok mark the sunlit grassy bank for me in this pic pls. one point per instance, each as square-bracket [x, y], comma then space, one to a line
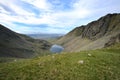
[101, 64]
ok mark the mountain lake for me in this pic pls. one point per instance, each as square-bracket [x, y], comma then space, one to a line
[56, 48]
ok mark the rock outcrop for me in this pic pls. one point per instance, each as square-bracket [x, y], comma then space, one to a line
[113, 40]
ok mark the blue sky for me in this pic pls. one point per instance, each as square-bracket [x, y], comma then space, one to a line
[53, 16]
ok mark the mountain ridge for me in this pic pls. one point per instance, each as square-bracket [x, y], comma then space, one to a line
[94, 35]
[103, 26]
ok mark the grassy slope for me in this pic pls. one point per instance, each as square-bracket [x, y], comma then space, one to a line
[17, 45]
[103, 64]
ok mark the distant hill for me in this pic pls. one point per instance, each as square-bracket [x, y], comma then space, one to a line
[17, 45]
[45, 36]
[94, 35]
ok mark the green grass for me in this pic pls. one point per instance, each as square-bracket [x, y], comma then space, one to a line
[102, 64]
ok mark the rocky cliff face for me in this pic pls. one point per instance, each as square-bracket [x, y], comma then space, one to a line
[113, 40]
[93, 35]
[104, 26]
[13, 44]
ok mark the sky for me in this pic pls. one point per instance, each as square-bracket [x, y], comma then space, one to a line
[53, 16]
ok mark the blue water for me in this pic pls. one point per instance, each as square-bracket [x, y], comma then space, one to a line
[56, 48]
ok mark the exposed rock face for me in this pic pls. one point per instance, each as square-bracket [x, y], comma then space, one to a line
[96, 29]
[113, 40]
[93, 35]
[17, 45]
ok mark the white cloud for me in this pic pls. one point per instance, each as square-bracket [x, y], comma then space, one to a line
[80, 10]
[15, 7]
[3, 11]
[41, 4]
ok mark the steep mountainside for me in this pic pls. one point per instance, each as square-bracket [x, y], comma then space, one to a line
[17, 45]
[94, 35]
